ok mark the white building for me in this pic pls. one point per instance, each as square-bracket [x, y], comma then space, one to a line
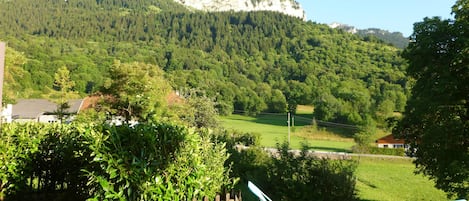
[389, 141]
[6, 114]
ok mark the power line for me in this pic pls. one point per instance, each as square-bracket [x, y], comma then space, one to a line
[304, 119]
[261, 113]
[327, 123]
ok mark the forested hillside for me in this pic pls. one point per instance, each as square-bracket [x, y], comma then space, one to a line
[250, 62]
[394, 38]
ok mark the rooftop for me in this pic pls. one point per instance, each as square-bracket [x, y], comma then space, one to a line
[32, 108]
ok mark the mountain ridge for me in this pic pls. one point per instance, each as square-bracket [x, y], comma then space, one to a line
[397, 39]
[288, 7]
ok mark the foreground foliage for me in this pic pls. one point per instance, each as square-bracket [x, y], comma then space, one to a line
[42, 157]
[287, 176]
[436, 120]
[175, 164]
[158, 161]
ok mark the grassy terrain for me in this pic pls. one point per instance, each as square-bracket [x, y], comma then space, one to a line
[388, 180]
[377, 179]
[304, 109]
[393, 179]
[273, 129]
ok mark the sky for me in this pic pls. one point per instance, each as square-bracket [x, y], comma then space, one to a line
[391, 15]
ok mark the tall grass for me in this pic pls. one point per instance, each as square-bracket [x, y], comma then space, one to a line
[322, 133]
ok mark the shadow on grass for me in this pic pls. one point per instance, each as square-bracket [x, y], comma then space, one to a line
[300, 120]
[273, 119]
[279, 120]
[367, 183]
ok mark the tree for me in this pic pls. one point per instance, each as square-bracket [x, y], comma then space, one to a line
[277, 102]
[136, 91]
[436, 119]
[201, 111]
[63, 91]
[13, 84]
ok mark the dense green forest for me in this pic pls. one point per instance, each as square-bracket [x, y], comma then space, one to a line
[375, 34]
[247, 62]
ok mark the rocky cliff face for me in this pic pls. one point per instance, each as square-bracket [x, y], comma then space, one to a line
[288, 7]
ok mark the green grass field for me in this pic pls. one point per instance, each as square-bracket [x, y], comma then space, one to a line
[393, 179]
[273, 129]
[377, 179]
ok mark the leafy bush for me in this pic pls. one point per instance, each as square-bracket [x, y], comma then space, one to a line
[158, 161]
[289, 177]
[376, 150]
[233, 137]
[17, 144]
[155, 162]
[61, 156]
[42, 158]
[306, 177]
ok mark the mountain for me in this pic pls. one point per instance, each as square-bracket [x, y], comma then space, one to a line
[394, 38]
[345, 27]
[288, 7]
[248, 62]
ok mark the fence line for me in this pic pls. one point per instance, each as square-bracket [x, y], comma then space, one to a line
[319, 122]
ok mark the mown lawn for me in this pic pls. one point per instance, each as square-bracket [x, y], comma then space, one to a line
[393, 179]
[273, 129]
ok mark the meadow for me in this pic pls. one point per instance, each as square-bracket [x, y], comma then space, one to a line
[393, 179]
[273, 129]
[377, 178]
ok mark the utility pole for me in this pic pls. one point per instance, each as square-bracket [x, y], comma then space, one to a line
[288, 121]
[293, 121]
[2, 68]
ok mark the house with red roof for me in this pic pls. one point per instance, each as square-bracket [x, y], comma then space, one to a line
[389, 141]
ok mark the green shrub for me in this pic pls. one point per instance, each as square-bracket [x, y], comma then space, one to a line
[306, 177]
[157, 161]
[42, 158]
[233, 137]
[17, 144]
[290, 177]
[364, 149]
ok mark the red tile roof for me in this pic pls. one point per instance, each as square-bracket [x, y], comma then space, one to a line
[389, 139]
[90, 102]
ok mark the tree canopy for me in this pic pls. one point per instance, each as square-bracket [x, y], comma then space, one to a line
[136, 91]
[436, 119]
[247, 61]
